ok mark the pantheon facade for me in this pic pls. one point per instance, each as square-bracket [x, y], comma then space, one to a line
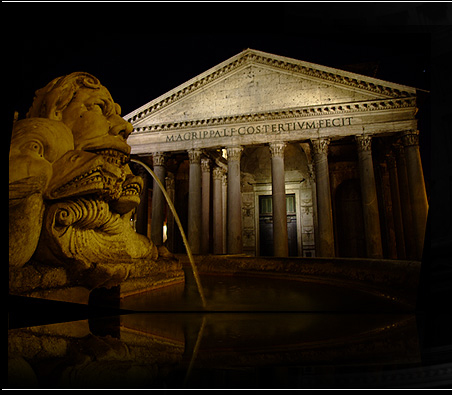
[266, 155]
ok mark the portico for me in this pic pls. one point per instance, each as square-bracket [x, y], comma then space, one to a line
[262, 128]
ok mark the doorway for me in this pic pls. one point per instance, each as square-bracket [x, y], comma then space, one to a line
[266, 225]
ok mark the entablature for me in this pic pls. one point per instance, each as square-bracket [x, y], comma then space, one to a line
[302, 112]
[376, 117]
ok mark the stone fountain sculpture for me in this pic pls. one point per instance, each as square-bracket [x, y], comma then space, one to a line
[71, 198]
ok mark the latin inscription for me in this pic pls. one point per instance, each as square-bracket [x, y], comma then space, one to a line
[272, 128]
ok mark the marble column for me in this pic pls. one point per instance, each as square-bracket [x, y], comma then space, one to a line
[224, 189]
[171, 189]
[405, 203]
[324, 208]
[194, 201]
[371, 215]
[205, 204]
[217, 210]
[280, 238]
[234, 223]
[416, 186]
[158, 200]
[396, 206]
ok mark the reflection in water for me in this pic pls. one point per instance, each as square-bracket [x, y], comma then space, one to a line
[240, 293]
[214, 350]
[258, 333]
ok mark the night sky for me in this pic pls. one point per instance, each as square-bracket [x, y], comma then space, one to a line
[140, 51]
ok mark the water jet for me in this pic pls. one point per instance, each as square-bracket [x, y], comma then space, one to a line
[181, 229]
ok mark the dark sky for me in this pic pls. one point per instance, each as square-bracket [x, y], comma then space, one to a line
[140, 51]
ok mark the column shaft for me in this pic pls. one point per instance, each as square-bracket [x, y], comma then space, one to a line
[205, 199]
[280, 238]
[194, 201]
[405, 204]
[217, 211]
[224, 190]
[396, 206]
[234, 203]
[369, 198]
[158, 200]
[416, 185]
[324, 208]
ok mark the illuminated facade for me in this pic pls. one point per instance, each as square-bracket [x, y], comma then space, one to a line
[267, 155]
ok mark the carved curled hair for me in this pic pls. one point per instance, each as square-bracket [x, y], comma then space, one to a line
[51, 100]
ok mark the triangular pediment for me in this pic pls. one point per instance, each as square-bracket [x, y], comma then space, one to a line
[254, 82]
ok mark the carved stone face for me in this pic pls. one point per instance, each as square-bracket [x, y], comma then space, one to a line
[95, 121]
[77, 173]
[36, 143]
[97, 127]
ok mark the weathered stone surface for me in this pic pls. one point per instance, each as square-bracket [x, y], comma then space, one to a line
[255, 96]
[72, 195]
[35, 145]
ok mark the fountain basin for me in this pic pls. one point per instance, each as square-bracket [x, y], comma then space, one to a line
[268, 323]
[240, 283]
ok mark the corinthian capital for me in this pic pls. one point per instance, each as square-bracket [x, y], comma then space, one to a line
[218, 173]
[234, 153]
[158, 158]
[205, 165]
[194, 155]
[364, 142]
[277, 149]
[410, 138]
[320, 146]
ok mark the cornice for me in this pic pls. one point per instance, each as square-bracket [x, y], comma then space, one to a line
[291, 65]
[309, 111]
